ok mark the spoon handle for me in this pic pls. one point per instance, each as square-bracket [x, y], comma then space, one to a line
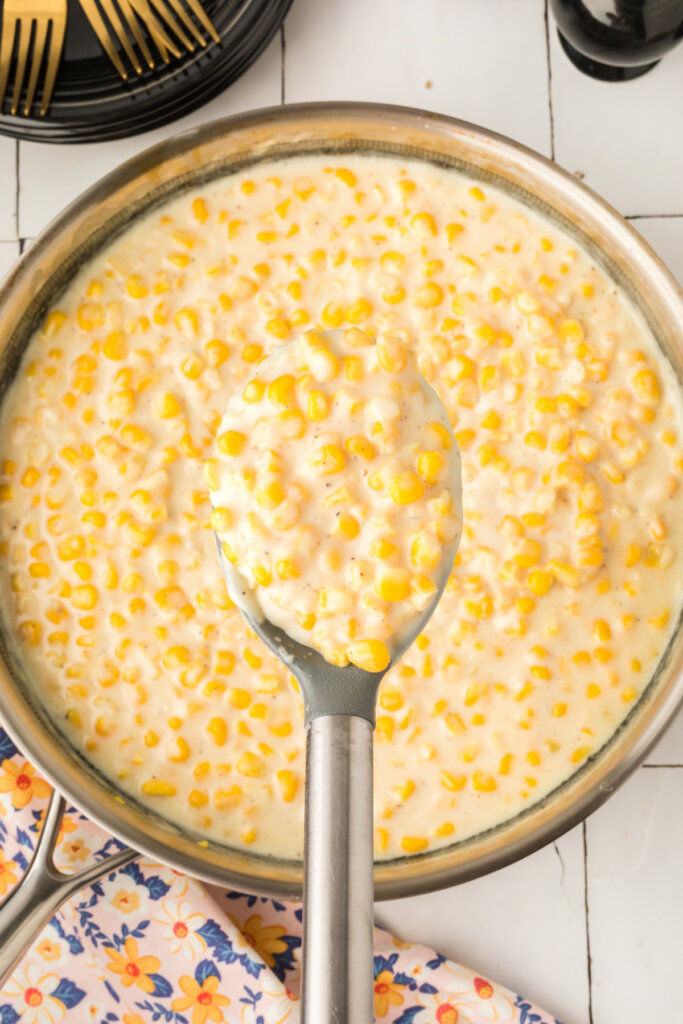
[337, 974]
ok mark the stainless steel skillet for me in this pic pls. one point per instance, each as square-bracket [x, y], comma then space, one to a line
[111, 206]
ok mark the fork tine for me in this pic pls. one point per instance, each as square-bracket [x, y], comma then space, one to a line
[6, 48]
[166, 16]
[55, 52]
[179, 7]
[36, 61]
[186, 20]
[164, 43]
[102, 32]
[25, 26]
[121, 34]
[133, 24]
[201, 14]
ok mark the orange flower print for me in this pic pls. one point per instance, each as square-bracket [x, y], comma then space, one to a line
[266, 941]
[125, 901]
[134, 969]
[49, 950]
[23, 783]
[132, 1018]
[7, 876]
[386, 993]
[204, 999]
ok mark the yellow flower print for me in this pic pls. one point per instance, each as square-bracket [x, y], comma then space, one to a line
[265, 941]
[125, 901]
[204, 999]
[67, 825]
[134, 969]
[7, 876]
[49, 950]
[75, 849]
[23, 783]
[386, 993]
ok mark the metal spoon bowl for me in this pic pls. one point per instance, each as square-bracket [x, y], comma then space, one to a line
[339, 706]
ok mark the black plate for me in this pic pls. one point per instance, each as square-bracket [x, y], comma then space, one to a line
[92, 103]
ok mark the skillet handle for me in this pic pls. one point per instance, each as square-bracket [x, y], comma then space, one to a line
[43, 889]
[337, 975]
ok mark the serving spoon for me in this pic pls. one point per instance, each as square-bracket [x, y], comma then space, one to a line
[339, 710]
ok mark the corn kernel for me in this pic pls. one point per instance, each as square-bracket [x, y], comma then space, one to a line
[218, 731]
[393, 584]
[423, 224]
[646, 386]
[346, 526]
[270, 495]
[405, 488]
[428, 296]
[318, 406]
[288, 784]
[327, 459]
[391, 354]
[287, 569]
[483, 782]
[361, 446]
[251, 765]
[158, 787]
[370, 655]
[84, 597]
[430, 466]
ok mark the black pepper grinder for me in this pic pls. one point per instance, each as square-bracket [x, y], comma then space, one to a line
[617, 40]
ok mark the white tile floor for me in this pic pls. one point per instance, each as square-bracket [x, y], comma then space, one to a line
[589, 927]
[445, 55]
[622, 136]
[635, 899]
[8, 188]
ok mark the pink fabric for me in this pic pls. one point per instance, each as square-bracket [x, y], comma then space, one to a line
[148, 944]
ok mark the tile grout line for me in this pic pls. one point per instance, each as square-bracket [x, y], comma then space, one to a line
[653, 216]
[283, 55]
[17, 168]
[550, 80]
[672, 764]
[587, 920]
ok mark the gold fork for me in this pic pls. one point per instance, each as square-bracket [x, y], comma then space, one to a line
[18, 20]
[92, 13]
[125, 7]
[163, 44]
[165, 9]
[135, 12]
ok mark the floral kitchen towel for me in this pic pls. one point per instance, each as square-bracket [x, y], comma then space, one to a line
[148, 944]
